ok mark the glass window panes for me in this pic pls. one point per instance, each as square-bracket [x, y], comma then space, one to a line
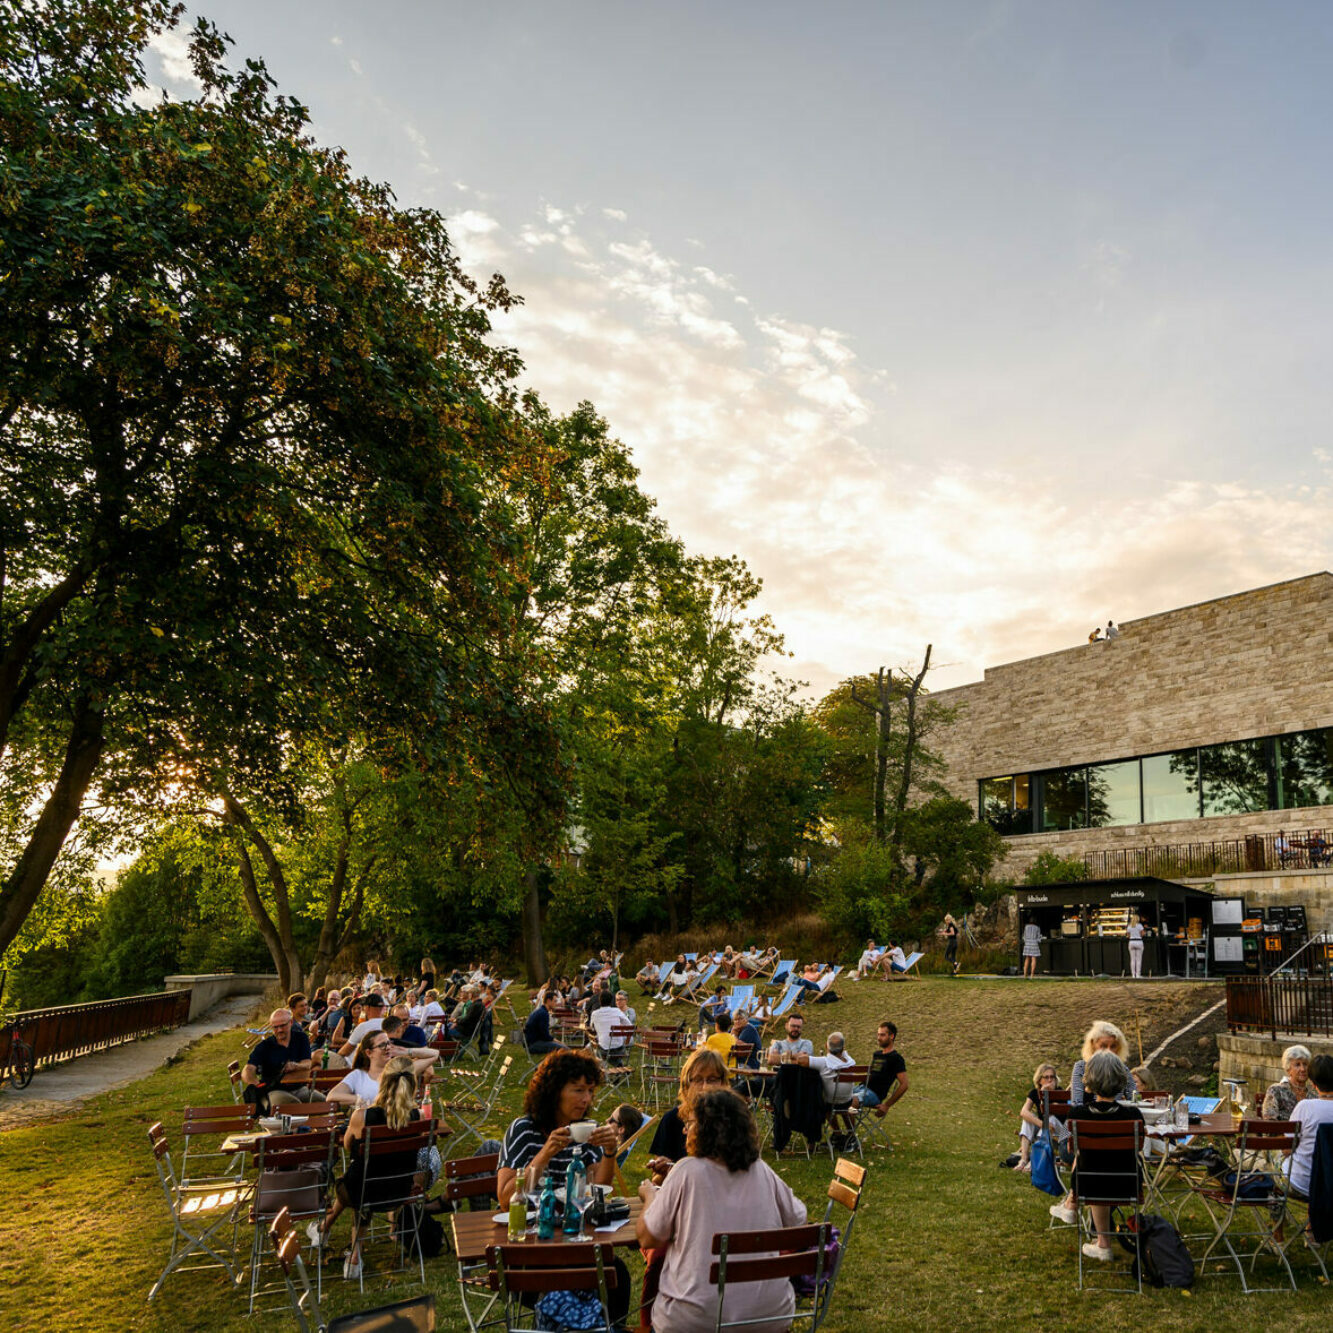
[1171, 786]
[1235, 777]
[1064, 795]
[1113, 794]
[1305, 769]
[1001, 808]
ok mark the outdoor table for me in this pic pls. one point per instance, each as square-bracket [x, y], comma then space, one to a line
[1215, 1125]
[244, 1142]
[473, 1232]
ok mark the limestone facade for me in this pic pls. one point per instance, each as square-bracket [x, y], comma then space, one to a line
[1259, 663]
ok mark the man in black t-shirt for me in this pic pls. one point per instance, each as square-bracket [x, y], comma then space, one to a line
[887, 1080]
[282, 1057]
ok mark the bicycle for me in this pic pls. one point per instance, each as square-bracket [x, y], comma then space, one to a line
[17, 1061]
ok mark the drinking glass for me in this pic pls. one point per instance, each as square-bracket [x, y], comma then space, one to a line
[1182, 1114]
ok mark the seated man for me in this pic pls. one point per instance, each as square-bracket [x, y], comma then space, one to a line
[648, 977]
[281, 1057]
[605, 1021]
[894, 961]
[537, 1030]
[716, 1004]
[828, 1065]
[887, 1080]
[373, 1011]
[411, 1033]
[870, 956]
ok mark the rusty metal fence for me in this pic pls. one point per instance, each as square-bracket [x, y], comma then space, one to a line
[77, 1029]
[1297, 1006]
[1297, 849]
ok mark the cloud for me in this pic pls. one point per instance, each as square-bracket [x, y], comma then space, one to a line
[616, 214]
[767, 435]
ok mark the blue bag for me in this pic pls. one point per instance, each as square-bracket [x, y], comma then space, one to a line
[1043, 1166]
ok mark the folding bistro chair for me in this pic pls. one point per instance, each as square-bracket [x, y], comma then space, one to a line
[198, 1214]
[533, 1270]
[204, 1134]
[844, 1191]
[660, 1070]
[237, 1083]
[1055, 1106]
[763, 1256]
[1097, 1182]
[842, 1113]
[292, 1172]
[470, 1113]
[389, 1185]
[1248, 1207]
[471, 1179]
[1321, 1191]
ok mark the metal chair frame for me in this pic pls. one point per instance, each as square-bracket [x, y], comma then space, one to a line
[801, 1251]
[516, 1270]
[1090, 1138]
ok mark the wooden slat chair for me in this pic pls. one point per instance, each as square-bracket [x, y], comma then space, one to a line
[198, 1214]
[844, 1193]
[292, 1173]
[1246, 1214]
[532, 1270]
[203, 1129]
[471, 1180]
[389, 1185]
[660, 1071]
[237, 1083]
[842, 1116]
[1096, 1183]
[765, 1256]
[472, 1108]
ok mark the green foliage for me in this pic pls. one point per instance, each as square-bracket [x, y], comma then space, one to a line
[861, 893]
[1049, 868]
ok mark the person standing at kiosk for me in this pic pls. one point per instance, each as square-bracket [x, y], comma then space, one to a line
[1135, 933]
[1031, 948]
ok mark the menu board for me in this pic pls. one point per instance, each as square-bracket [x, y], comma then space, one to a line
[1228, 949]
[1228, 911]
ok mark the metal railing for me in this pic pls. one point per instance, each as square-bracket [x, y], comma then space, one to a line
[1297, 849]
[77, 1029]
[1298, 1006]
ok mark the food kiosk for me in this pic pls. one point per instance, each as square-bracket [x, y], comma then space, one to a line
[1084, 926]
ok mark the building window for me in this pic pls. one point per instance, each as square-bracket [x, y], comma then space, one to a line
[1005, 805]
[1305, 769]
[1064, 799]
[1171, 786]
[1114, 794]
[1234, 777]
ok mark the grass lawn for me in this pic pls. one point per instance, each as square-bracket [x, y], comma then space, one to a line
[945, 1238]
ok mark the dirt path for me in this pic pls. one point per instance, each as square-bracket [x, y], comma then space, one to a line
[60, 1090]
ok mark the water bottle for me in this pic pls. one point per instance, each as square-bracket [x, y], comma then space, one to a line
[576, 1186]
[546, 1218]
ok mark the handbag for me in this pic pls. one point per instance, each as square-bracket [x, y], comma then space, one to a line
[1044, 1176]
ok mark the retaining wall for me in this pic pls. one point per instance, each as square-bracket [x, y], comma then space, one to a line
[208, 988]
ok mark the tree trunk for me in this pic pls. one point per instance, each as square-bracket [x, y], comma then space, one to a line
[83, 750]
[255, 906]
[534, 951]
[909, 754]
[881, 708]
[290, 971]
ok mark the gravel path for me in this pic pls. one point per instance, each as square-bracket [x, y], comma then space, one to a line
[59, 1090]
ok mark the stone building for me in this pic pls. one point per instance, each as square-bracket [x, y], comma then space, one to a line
[1211, 724]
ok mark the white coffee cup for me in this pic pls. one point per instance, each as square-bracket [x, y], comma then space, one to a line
[581, 1130]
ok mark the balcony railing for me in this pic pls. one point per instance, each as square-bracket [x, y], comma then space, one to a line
[1294, 1006]
[1303, 849]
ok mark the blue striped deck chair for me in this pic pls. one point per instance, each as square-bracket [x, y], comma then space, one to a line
[784, 1004]
[691, 957]
[825, 981]
[691, 990]
[784, 969]
[742, 997]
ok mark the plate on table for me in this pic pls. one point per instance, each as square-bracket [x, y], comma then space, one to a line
[501, 1219]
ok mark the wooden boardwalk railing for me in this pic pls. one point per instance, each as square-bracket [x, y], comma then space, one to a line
[76, 1029]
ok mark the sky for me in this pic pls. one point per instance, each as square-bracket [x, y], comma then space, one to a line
[971, 324]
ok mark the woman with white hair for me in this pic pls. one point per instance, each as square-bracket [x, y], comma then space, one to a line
[1280, 1100]
[1101, 1036]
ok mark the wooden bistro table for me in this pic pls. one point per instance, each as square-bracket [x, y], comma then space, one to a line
[474, 1231]
[1216, 1125]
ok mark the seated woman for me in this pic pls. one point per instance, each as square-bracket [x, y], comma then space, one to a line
[362, 1084]
[1281, 1098]
[1045, 1077]
[722, 1185]
[538, 1143]
[676, 976]
[394, 1105]
[626, 1120]
[1115, 1170]
[704, 1070]
[1101, 1036]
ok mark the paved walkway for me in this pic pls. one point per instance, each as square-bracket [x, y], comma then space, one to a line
[59, 1090]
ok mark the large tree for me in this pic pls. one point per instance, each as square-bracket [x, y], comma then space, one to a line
[253, 444]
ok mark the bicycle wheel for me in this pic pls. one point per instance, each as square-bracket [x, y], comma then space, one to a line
[21, 1064]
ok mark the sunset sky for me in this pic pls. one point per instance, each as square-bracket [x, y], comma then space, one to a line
[964, 323]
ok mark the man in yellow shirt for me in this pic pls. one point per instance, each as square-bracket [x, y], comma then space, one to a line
[721, 1039]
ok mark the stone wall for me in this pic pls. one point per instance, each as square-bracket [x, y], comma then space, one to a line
[207, 989]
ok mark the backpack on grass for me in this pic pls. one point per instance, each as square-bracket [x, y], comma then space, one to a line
[1166, 1261]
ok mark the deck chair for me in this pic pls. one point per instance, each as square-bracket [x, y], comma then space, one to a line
[761, 1256]
[291, 1175]
[826, 980]
[781, 1009]
[691, 990]
[1094, 1183]
[844, 1193]
[199, 1217]
[782, 971]
[742, 996]
[1247, 1208]
[641, 1138]
[532, 1270]
[912, 966]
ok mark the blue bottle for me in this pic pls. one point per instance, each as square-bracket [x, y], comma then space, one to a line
[576, 1186]
[546, 1216]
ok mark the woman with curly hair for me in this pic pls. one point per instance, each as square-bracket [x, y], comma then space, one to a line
[560, 1093]
[722, 1185]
